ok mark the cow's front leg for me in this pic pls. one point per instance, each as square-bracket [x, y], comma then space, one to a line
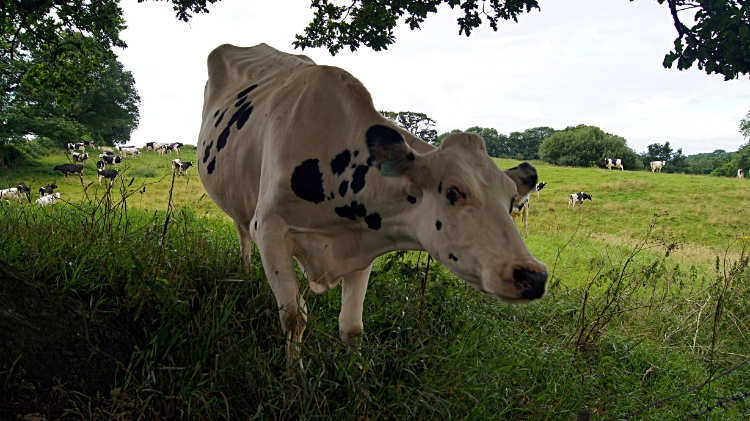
[354, 287]
[276, 249]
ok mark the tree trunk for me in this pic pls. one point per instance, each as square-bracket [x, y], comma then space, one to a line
[45, 334]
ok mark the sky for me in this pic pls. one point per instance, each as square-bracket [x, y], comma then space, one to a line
[593, 62]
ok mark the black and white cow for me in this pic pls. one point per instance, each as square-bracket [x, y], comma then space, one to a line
[109, 174]
[71, 146]
[300, 159]
[539, 188]
[617, 163]
[180, 166]
[70, 169]
[48, 200]
[111, 160]
[81, 146]
[80, 157]
[47, 190]
[88, 143]
[150, 146]
[522, 209]
[101, 164]
[578, 198]
[740, 173]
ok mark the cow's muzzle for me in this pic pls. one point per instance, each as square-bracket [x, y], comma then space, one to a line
[530, 283]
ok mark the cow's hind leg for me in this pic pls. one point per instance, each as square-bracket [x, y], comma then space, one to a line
[276, 251]
[353, 291]
[246, 244]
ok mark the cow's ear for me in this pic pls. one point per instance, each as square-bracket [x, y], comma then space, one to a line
[389, 152]
[524, 176]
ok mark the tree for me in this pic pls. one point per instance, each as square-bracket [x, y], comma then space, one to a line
[417, 124]
[718, 38]
[527, 143]
[586, 146]
[745, 126]
[497, 144]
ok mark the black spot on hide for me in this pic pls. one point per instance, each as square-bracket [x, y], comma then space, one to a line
[222, 140]
[358, 181]
[211, 166]
[440, 187]
[452, 257]
[373, 221]
[340, 162]
[208, 152]
[438, 225]
[307, 182]
[332, 196]
[246, 91]
[410, 157]
[343, 188]
[238, 103]
[354, 165]
[217, 112]
[240, 117]
[412, 199]
[352, 211]
[356, 152]
[256, 225]
[221, 117]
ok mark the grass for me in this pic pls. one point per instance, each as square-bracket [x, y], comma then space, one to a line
[640, 308]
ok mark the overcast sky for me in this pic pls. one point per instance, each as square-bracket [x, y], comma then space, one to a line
[593, 62]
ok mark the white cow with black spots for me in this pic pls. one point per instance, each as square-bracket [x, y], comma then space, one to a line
[740, 173]
[298, 156]
[617, 163]
[578, 198]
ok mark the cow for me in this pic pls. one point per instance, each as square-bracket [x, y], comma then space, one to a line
[81, 146]
[740, 173]
[180, 167]
[578, 198]
[70, 169]
[111, 160]
[110, 174]
[88, 143]
[47, 190]
[48, 200]
[106, 149]
[176, 147]
[328, 181]
[130, 151]
[150, 146]
[157, 146]
[16, 193]
[617, 163]
[657, 165]
[539, 188]
[80, 157]
[101, 164]
[71, 146]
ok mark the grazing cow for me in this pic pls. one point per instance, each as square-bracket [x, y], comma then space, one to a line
[157, 146]
[617, 163]
[111, 160]
[150, 146]
[106, 149]
[740, 173]
[657, 165]
[298, 156]
[47, 190]
[16, 193]
[69, 169]
[578, 198]
[89, 143]
[539, 188]
[48, 200]
[110, 174]
[103, 154]
[181, 167]
[80, 157]
[130, 151]
[81, 146]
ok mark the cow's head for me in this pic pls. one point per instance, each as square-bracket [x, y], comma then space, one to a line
[463, 210]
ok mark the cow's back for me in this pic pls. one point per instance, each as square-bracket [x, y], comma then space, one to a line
[265, 112]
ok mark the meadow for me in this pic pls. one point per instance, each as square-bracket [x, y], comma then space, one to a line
[647, 300]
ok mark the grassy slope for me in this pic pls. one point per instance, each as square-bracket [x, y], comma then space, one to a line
[612, 335]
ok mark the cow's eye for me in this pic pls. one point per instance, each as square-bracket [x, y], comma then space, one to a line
[453, 194]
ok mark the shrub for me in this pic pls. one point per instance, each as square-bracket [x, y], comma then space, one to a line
[587, 146]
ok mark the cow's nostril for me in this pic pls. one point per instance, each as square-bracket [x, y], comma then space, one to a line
[530, 283]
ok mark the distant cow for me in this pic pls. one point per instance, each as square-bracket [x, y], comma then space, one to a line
[69, 169]
[617, 163]
[176, 147]
[740, 173]
[130, 151]
[81, 146]
[539, 188]
[181, 166]
[578, 198]
[71, 146]
[109, 174]
[657, 165]
[106, 149]
[16, 193]
[101, 164]
[111, 160]
[47, 190]
[47, 200]
[88, 143]
[150, 146]
[80, 157]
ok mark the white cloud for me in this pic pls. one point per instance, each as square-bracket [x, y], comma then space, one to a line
[575, 62]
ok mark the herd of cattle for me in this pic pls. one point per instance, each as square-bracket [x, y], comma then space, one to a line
[80, 157]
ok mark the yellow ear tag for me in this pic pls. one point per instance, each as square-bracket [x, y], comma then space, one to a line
[389, 168]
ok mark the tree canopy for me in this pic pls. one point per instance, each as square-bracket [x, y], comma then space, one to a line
[418, 124]
[586, 146]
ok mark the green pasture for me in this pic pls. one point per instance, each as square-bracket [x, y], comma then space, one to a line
[647, 299]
